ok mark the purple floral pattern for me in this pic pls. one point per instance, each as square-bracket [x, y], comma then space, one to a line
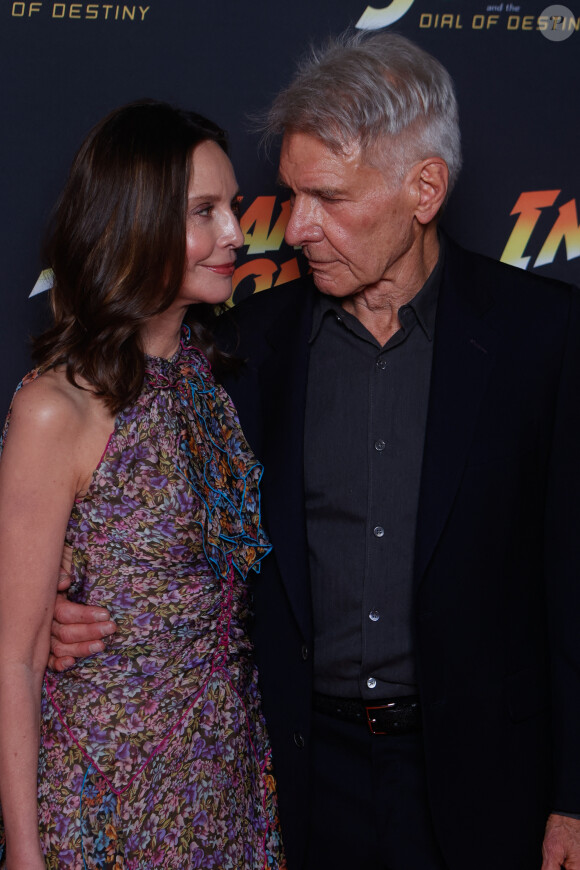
[154, 753]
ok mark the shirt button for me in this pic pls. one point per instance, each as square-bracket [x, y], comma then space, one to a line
[371, 682]
[380, 444]
[378, 531]
[374, 616]
[381, 364]
[299, 740]
[304, 652]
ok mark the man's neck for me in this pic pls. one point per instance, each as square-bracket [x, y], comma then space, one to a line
[377, 306]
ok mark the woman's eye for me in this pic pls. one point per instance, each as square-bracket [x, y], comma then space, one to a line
[204, 210]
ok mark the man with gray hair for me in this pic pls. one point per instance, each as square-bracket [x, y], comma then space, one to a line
[417, 414]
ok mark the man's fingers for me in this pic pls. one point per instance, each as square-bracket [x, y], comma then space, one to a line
[77, 632]
[63, 653]
[68, 639]
[552, 861]
[67, 613]
[552, 851]
[63, 582]
[63, 664]
[72, 651]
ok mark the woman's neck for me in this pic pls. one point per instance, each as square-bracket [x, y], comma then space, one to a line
[161, 335]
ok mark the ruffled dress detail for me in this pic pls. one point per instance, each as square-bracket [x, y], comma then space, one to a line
[154, 753]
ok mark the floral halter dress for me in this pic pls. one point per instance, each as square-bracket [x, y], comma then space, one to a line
[154, 753]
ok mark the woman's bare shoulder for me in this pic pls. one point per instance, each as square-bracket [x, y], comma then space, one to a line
[57, 427]
[51, 404]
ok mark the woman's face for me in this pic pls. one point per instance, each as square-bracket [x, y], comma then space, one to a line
[212, 228]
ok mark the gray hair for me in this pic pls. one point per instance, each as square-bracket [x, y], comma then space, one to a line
[367, 88]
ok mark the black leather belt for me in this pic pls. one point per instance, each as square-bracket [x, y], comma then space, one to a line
[386, 716]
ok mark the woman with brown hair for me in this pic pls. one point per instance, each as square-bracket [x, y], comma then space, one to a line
[123, 450]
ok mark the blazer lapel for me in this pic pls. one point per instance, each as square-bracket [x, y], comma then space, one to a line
[463, 357]
[283, 379]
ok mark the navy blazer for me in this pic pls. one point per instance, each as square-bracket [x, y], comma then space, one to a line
[497, 565]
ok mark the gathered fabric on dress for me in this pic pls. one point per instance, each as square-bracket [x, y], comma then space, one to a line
[154, 753]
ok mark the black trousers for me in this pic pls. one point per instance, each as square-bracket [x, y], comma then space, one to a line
[369, 807]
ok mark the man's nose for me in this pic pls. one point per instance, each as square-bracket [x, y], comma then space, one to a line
[304, 224]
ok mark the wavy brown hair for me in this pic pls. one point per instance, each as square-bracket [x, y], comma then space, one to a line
[116, 246]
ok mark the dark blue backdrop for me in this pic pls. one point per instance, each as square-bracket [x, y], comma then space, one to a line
[64, 65]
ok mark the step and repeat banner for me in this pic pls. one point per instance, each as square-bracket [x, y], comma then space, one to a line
[66, 64]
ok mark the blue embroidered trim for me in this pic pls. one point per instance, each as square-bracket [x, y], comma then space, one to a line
[88, 771]
[231, 530]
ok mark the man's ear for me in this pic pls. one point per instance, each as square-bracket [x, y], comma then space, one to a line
[430, 181]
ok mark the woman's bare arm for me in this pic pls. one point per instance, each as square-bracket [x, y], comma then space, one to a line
[42, 468]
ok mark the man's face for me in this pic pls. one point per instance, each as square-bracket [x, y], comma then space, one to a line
[354, 223]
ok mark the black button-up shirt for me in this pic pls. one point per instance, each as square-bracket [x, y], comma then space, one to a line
[366, 412]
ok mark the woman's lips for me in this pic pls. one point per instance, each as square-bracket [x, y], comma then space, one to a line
[226, 269]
